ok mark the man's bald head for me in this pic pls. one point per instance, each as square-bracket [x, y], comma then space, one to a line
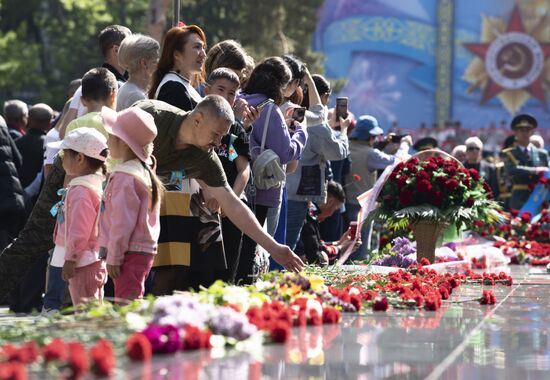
[217, 107]
[40, 116]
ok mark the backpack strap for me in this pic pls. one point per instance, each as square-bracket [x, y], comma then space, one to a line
[266, 125]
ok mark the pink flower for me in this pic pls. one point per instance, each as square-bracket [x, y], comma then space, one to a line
[164, 339]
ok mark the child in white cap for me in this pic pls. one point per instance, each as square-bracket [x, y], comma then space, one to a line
[129, 223]
[76, 229]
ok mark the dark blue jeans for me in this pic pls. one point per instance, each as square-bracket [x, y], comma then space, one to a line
[296, 216]
[55, 293]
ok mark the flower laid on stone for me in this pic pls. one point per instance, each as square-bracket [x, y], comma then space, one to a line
[267, 310]
[488, 298]
[72, 359]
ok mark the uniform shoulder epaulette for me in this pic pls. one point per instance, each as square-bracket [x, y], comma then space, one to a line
[507, 150]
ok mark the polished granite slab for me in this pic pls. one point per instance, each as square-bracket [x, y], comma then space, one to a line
[467, 340]
[509, 340]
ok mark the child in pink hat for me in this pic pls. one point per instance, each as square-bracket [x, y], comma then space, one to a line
[76, 230]
[129, 222]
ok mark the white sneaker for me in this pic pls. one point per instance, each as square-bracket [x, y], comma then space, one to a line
[48, 312]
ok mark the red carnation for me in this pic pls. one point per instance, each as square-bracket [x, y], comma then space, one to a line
[78, 360]
[422, 175]
[424, 261]
[411, 168]
[432, 301]
[450, 170]
[356, 177]
[280, 332]
[12, 371]
[195, 339]
[423, 186]
[469, 202]
[444, 292]
[27, 353]
[139, 348]
[314, 318]
[514, 212]
[355, 300]
[406, 197]
[330, 315]
[402, 181]
[55, 350]
[370, 295]
[488, 298]
[526, 216]
[380, 304]
[103, 358]
[430, 167]
[451, 184]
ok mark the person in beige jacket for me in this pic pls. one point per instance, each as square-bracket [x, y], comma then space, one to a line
[365, 161]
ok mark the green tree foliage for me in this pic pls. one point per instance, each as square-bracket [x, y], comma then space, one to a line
[264, 28]
[46, 44]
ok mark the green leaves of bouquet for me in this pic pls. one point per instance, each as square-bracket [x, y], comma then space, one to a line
[435, 189]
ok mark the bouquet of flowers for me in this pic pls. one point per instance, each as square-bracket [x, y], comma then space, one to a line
[438, 190]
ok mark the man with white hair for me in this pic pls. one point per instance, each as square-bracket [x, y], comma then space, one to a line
[459, 152]
[537, 141]
[474, 160]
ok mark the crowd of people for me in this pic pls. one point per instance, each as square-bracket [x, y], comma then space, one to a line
[174, 165]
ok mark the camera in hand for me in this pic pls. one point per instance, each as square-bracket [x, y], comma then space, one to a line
[397, 138]
[341, 108]
[299, 114]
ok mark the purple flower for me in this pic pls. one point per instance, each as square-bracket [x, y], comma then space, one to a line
[164, 339]
[403, 246]
[231, 323]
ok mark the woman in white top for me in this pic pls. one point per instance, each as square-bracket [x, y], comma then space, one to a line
[180, 67]
[138, 55]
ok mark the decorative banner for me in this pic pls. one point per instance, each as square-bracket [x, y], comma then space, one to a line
[510, 62]
[539, 195]
[387, 51]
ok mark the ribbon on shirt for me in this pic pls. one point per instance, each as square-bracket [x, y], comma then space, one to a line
[232, 153]
[57, 209]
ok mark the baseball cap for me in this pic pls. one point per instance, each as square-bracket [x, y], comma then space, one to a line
[366, 127]
[88, 141]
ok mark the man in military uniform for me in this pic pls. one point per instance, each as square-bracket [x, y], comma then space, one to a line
[523, 163]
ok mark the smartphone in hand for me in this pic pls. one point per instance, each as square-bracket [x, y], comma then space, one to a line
[341, 108]
[299, 114]
[260, 106]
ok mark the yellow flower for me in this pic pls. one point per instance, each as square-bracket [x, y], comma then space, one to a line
[316, 282]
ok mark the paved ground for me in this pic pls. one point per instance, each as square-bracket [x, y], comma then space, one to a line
[460, 341]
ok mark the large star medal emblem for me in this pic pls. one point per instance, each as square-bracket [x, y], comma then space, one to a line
[510, 62]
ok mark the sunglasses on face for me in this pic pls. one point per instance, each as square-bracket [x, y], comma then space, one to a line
[472, 148]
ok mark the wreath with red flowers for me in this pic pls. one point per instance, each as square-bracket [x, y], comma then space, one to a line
[435, 189]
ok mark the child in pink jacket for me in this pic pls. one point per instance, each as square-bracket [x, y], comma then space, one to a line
[129, 223]
[76, 229]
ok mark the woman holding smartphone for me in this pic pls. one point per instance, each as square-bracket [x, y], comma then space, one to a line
[269, 80]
